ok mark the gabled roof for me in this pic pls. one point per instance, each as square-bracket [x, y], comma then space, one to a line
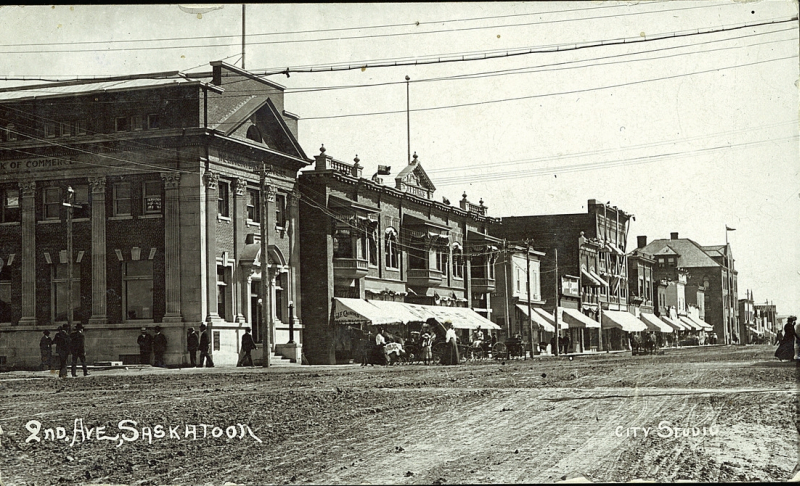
[689, 253]
[242, 113]
[416, 174]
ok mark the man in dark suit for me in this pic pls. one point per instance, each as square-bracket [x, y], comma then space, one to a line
[46, 350]
[192, 344]
[145, 341]
[205, 343]
[248, 344]
[159, 347]
[62, 350]
[77, 344]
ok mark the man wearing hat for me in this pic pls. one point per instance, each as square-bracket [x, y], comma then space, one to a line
[77, 344]
[159, 348]
[145, 341]
[205, 343]
[192, 343]
[62, 350]
[248, 344]
[46, 350]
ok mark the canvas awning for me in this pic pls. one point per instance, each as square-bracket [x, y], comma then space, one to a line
[675, 324]
[592, 280]
[549, 318]
[379, 312]
[691, 325]
[537, 318]
[599, 278]
[653, 323]
[703, 324]
[576, 320]
[622, 320]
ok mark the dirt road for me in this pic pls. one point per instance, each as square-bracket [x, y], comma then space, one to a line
[715, 414]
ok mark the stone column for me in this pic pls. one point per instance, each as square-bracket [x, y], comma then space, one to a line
[172, 246]
[240, 297]
[99, 299]
[28, 216]
[211, 180]
[293, 201]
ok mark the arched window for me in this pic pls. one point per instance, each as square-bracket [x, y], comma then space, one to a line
[253, 133]
[391, 250]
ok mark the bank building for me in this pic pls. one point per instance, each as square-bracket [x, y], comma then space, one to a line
[153, 180]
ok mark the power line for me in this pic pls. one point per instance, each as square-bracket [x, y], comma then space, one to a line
[357, 37]
[518, 98]
[339, 29]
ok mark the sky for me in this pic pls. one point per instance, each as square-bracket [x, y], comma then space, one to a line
[682, 113]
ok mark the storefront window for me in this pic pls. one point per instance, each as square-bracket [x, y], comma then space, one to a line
[138, 291]
[60, 288]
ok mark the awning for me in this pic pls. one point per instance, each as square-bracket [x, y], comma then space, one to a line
[576, 320]
[622, 320]
[595, 282]
[678, 326]
[653, 323]
[598, 277]
[614, 248]
[753, 329]
[691, 325]
[537, 318]
[379, 312]
[549, 318]
[703, 324]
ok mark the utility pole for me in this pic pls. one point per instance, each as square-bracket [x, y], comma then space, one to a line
[528, 292]
[509, 266]
[266, 311]
[70, 207]
[243, 6]
[555, 313]
[408, 119]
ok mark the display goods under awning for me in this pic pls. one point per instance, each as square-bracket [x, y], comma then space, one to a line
[379, 312]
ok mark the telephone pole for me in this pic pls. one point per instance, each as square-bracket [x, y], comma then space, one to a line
[70, 207]
[266, 311]
[528, 292]
[555, 312]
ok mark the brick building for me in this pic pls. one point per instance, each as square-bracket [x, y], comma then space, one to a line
[709, 267]
[163, 169]
[592, 264]
[368, 240]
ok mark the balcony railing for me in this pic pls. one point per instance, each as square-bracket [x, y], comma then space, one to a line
[483, 285]
[350, 268]
[424, 277]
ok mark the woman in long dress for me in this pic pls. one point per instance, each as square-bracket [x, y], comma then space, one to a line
[451, 356]
[785, 349]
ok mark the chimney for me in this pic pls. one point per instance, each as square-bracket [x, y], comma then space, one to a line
[641, 241]
[216, 73]
[673, 236]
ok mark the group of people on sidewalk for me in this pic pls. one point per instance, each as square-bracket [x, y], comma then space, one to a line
[67, 343]
[156, 344]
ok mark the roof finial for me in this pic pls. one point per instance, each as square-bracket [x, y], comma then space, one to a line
[481, 202]
[464, 196]
[322, 149]
[356, 160]
[414, 157]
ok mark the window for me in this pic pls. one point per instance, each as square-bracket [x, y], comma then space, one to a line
[151, 197]
[66, 130]
[418, 255]
[223, 197]
[253, 206]
[136, 122]
[5, 294]
[254, 134]
[372, 247]
[60, 288]
[11, 132]
[660, 263]
[122, 124]
[458, 262]
[671, 262]
[80, 127]
[138, 289]
[52, 203]
[222, 291]
[152, 121]
[81, 199]
[518, 272]
[280, 210]
[442, 260]
[10, 209]
[122, 199]
[280, 284]
[342, 243]
[390, 244]
[50, 130]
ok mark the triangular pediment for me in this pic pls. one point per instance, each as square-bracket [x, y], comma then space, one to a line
[258, 120]
[414, 177]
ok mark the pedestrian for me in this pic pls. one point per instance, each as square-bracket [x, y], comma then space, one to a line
[793, 320]
[159, 347]
[145, 341]
[450, 356]
[553, 345]
[566, 344]
[785, 349]
[380, 348]
[427, 347]
[62, 350]
[192, 343]
[205, 343]
[248, 344]
[77, 344]
[46, 350]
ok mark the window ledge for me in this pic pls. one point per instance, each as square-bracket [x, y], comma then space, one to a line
[11, 223]
[49, 221]
[253, 223]
[81, 220]
[151, 216]
[138, 321]
[120, 218]
[223, 218]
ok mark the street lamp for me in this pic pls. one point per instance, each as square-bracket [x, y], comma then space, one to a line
[291, 322]
[71, 206]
